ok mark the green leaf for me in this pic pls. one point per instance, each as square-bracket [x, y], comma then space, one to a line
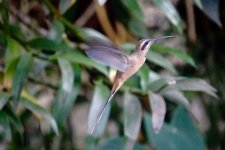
[177, 135]
[101, 94]
[66, 96]
[138, 28]
[4, 98]
[120, 143]
[198, 3]
[133, 8]
[144, 75]
[22, 70]
[198, 85]
[64, 5]
[175, 52]
[177, 96]
[211, 9]
[132, 116]
[170, 11]
[158, 107]
[158, 59]
[117, 143]
[5, 124]
[13, 118]
[56, 32]
[35, 107]
[79, 58]
[47, 44]
[158, 84]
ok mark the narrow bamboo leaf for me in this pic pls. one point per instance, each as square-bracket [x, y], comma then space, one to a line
[134, 8]
[175, 52]
[46, 44]
[64, 5]
[211, 9]
[198, 3]
[101, 94]
[13, 118]
[77, 57]
[158, 59]
[11, 60]
[170, 11]
[5, 124]
[56, 32]
[66, 96]
[4, 98]
[21, 74]
[132, 116]
[34, 107]
[138, 28]
[144, 75]
[158, 107]
[198, 85]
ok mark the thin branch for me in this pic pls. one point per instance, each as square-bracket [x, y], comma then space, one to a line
[191, 21]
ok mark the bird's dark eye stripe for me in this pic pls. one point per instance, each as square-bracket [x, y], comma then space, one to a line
[144, 45]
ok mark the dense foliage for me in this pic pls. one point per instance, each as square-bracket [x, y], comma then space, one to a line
[51, 93]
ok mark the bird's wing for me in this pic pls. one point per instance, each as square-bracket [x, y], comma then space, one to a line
[109, 57]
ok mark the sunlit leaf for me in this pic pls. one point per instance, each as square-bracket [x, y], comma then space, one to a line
[198, 3]
[198, 85]
[176, 52]
[158, 107]
[21, 74]
[34, 107]
[66, 96]
[211, 9]
[101, 94]
[177, 135]
[158, 59]
[4, 97]
[64, 5]
[79, 58]
[132, 116]
[170, 11]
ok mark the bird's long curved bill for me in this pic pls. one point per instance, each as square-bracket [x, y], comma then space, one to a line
[162, 37]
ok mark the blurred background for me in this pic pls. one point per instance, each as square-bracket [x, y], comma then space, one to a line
[51, 92]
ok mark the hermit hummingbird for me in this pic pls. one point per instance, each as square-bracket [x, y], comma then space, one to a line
[125, 64]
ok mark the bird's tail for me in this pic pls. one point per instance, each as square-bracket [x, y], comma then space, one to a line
[103, 110]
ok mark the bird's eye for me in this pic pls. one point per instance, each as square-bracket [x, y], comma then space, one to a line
[143, 46]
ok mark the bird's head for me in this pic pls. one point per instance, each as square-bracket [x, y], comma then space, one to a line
[144, 44]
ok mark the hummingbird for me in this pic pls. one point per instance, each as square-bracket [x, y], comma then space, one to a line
[125, 64]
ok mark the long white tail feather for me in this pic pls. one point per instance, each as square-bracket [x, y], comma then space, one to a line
[102, 112]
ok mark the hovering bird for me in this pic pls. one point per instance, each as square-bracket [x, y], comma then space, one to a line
[125, 64]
